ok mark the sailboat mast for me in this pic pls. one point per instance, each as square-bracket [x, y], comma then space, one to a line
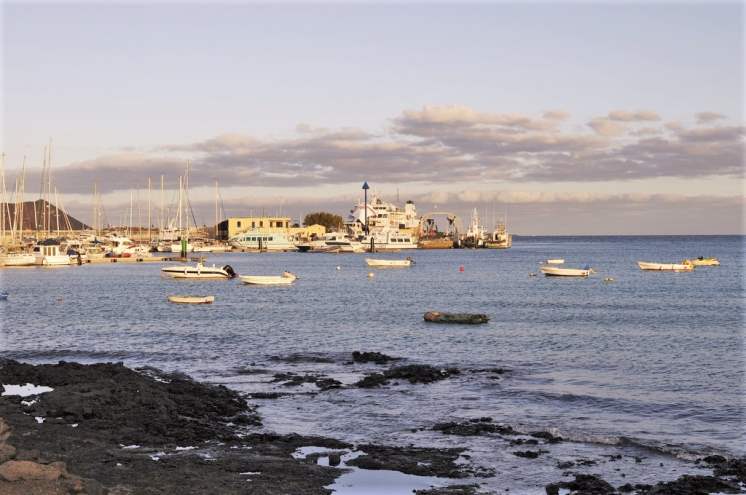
[163, 208]
[2, 200]
[49, 187]
[178, 213]
[21, 217]
[216, 210]
[132, 198]
[57, 210]
[150, 237]
[94, 213]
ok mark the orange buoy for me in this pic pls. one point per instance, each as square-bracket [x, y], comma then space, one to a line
[461, 268]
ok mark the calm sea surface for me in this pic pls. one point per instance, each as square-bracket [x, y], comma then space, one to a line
[652, 362]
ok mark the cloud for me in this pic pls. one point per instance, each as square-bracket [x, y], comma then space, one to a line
[606, 127]
[707, 117]
[638, 116]
[434, 145]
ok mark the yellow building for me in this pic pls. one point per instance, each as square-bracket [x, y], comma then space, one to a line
[237, 225]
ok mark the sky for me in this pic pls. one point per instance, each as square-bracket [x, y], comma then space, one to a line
[571, 118]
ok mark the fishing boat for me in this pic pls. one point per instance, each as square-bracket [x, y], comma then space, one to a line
[555, 261]
[684, 266]
[702, 261]
[191, 299]
[18, 259]
[286, 278]
[199, 271]
[378, 263]
[555, 271]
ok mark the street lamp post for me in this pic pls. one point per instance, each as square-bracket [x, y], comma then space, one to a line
[365, 190]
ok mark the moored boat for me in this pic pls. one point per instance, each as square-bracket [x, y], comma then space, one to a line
[555, 261]
[18, 259]
[684, 266]
[702, 261]
[286, 278]
[199, 271]
[467, 318]
[435, 243]
[554, 271]
[47, 253]
[191, 299]
[379, 263]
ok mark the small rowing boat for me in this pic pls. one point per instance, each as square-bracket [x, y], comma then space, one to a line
[286, 278]
[701, 261]
[199, 271]
[555, 261]
[389, 263]
[684, 266]
[192, 299]
[553, 271]
[466, 318]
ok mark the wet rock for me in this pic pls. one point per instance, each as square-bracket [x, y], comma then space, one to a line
[372, 380]
[693, 485]
[450, 490]
[727, 467]
[134, 407]
[7, 452]
[420, 461]
[414, 373]
[251, 371]
[530, 454]
[267, 395]
[474, 427]
[565, 464]
[120, 409]
[300, 357]
[583, 484]
[545, 435]
[524, 441]
[372, 357]
[335, 458]
[294, 380]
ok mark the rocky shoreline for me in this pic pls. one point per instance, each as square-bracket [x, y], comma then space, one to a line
[108, 429]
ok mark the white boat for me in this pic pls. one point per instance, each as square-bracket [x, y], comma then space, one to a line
[126, 247]
[555, 261]
[47, 253]
[263, 241]
[554, 271]
[18, 259]
[389, 240]
[675, 267]
[341, 243]
[199, 271]
[389, 263]
[286, 278]
[192, 299]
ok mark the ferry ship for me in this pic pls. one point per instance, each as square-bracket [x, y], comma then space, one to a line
[256, 240]
[390, 228]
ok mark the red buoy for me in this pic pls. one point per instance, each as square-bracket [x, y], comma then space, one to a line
[461, 268]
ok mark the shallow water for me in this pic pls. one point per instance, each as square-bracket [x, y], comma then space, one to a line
[652, 359]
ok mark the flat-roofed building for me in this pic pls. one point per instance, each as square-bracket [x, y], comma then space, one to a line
[236, 225]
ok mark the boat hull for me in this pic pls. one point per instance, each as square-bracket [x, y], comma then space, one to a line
[191, 299]
[388, 263]
[19, 260]
[267, 280]
[551, 271]
[671, 267]
[442, 243]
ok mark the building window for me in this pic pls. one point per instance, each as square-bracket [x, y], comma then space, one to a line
[238, 224]
[253, 225]
[261, 223]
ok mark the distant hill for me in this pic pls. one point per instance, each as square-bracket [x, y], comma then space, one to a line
[33, 216]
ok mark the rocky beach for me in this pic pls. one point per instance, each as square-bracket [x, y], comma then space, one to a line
[109, 429]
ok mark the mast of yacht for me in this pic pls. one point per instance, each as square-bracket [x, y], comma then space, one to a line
[129, 229]
[57, 210]
[21, 216]
[162, 212]
[49, 187]
[94, 216]
[3, 206]
[215, 234]
[178, 211]
[150, 237]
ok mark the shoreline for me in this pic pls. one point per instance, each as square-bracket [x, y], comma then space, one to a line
[124, 431]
